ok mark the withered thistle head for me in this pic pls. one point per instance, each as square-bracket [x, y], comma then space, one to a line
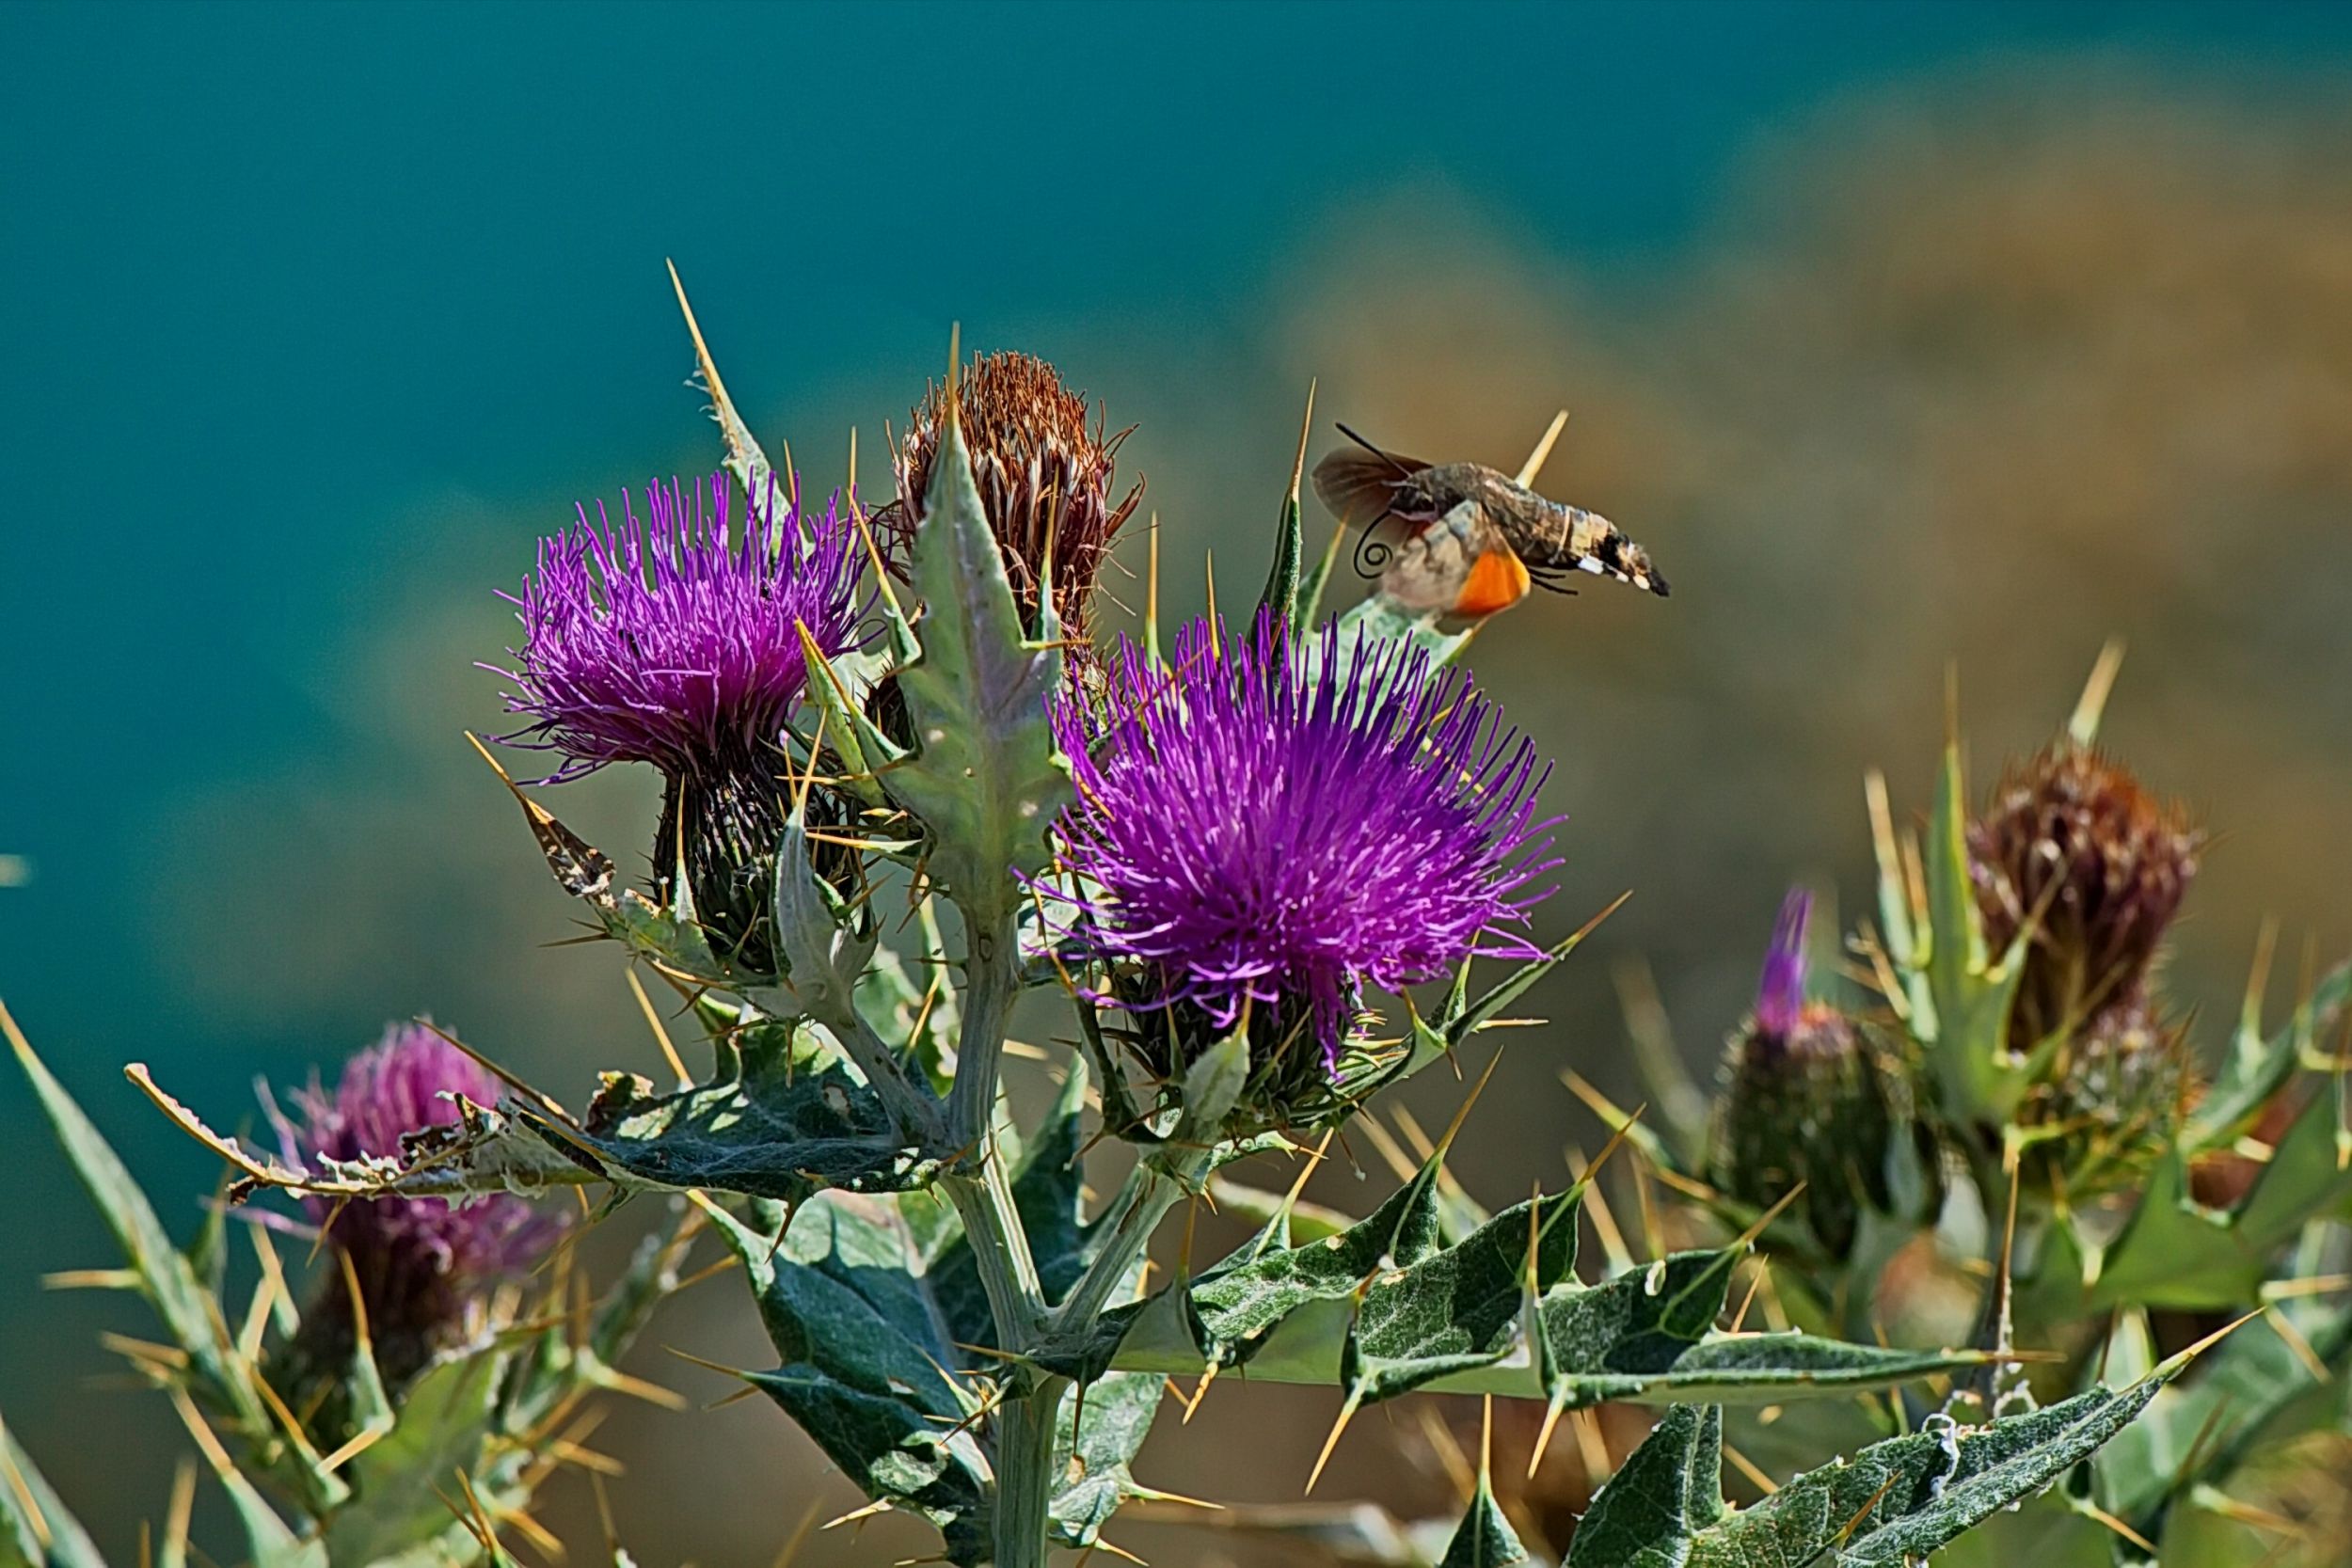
[2073, 844]
[1802, 1098]
[1046, 477]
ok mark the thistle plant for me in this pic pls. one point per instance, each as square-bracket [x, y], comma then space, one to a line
[1227, 857]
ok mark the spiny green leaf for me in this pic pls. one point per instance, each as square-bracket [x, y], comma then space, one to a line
[1459, 1308]
[986, 778]
[1102, 1428]
[165, 1278]
[1281, 594]
[868, 1355]
[1667, 1494]
[823, 947]
[2258, 1068]
[1384, 1307]
[1892, 1504]
[36, 1530]
[2173, 1253]
[779, 1123]
[2198, 1431]
[399, 1482]
[744, 458]
[1485, 1539]
[1966, 1036]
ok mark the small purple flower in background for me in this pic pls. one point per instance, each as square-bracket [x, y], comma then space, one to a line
[1803, 1101]
[674, 640]
[1261, 829]
[1780, 993]
[425, 1267]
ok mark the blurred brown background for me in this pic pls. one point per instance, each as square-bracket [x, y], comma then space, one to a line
[1966, 354]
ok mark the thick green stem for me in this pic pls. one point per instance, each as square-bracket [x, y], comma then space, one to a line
[1159, 1183]
[1026, 1432]
[1000, 1250]
[991, 981]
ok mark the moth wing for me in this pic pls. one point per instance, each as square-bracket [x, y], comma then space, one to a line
[1359, 483]
[1357, 486]
[1460, 565]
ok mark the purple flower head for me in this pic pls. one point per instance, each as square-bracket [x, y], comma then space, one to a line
[423, 1264]
[1277, 828]
[1780, 995]
[674, 639]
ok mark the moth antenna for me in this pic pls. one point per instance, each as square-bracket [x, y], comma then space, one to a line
[1390, 458]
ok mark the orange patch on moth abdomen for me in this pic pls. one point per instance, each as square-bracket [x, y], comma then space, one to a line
[1497, 580]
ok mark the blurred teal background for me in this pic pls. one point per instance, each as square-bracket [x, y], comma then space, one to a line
[1899, 334]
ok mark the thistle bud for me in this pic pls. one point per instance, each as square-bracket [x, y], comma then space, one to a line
[425, 1267]
[1046, 477]
[2072, 844]
[2110, 1101]
[1801, 1099]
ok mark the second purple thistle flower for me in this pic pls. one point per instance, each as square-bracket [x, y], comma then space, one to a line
[1273, 827]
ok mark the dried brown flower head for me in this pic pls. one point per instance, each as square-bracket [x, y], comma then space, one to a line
[1046, 477]
[2073, 844]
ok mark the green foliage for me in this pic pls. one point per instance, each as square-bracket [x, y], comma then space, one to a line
[1387, 1307]
[968, 1344]
[874, 1304]
[1891, 1504]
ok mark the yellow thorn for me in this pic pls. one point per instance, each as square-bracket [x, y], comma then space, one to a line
[1447, 1451]
[879, 1505]
[2083, 728]
[1461, 1115]
[1536, 460]
[637, 1388]
[1552, 1412]
[1199, 1391]
[91, 1279]
[2118, 1526]
[799, 1537]
[1604, 1223]
[2285, 1329]
[20, 1489]
[181, 1508]
[1755, 1282]
[1486, 1440]
[652, 1021]
[364, 1439]
[1749, 1468]
[1347, 1413]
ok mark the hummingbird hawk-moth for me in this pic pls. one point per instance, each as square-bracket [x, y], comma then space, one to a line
[1475, 539]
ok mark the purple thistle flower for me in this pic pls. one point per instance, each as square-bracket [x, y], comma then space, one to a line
[673, 639]
[1780, 994]
[1262, 829]
[424, 1265]
[676, 641]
